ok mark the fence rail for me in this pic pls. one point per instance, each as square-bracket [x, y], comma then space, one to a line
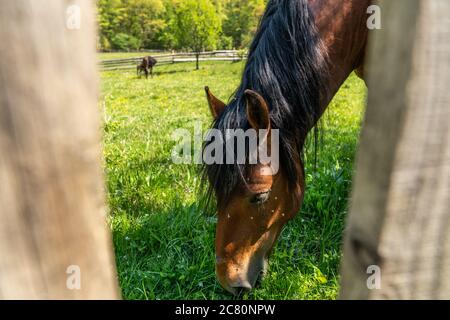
[218, 55]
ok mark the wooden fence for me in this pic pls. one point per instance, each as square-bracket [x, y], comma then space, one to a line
[176, 57]
[54, 240]
[397, 243]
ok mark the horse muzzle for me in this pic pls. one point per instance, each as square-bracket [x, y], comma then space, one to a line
[236, 278]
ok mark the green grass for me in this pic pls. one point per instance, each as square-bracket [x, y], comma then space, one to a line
[164, 246]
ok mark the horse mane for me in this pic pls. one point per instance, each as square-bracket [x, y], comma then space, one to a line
[287, 66]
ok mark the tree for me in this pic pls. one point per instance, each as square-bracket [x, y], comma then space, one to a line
[196, 25]
[184, 24]
[143, 20]
[241, 19]
[108, 13]
[130, 24]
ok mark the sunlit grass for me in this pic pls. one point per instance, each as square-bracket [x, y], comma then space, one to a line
[164, 246]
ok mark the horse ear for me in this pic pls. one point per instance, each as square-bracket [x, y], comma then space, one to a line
[215, 105]
[257, 110]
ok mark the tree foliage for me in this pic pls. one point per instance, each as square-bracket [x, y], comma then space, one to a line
[177, 24]
[196, 25]
[241, 20]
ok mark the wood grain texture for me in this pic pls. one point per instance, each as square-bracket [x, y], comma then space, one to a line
[52, 204]
[400, 207]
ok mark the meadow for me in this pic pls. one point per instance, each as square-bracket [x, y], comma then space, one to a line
[164, 244]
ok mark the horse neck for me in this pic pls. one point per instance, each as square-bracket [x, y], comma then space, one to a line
[342, 27]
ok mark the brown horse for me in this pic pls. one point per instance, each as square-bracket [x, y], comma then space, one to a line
[146, 66]
[301, 54]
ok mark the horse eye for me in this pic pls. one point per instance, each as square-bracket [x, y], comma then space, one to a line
[260, 197]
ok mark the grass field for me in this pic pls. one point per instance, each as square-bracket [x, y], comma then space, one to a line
[164, 246]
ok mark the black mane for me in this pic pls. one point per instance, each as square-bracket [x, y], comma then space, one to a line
[286, 65]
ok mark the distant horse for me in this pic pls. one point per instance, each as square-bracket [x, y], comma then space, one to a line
[146, 66]
[301, 54]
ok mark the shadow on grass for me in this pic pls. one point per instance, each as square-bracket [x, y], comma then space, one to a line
[176, 71]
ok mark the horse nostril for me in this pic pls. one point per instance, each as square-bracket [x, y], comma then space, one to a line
[246, 285]
[242, 286]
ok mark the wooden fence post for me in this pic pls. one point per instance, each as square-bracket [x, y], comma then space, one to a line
[397, 243]
[54, 240]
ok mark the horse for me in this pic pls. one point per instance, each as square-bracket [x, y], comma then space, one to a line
[146, 66]
[302, 52]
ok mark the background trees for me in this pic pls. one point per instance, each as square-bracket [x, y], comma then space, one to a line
[196, 25]
[130, 24]
[177, 24]
[241, 20]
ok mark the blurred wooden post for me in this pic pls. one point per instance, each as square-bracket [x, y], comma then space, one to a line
[400, 208]
[54, 240]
